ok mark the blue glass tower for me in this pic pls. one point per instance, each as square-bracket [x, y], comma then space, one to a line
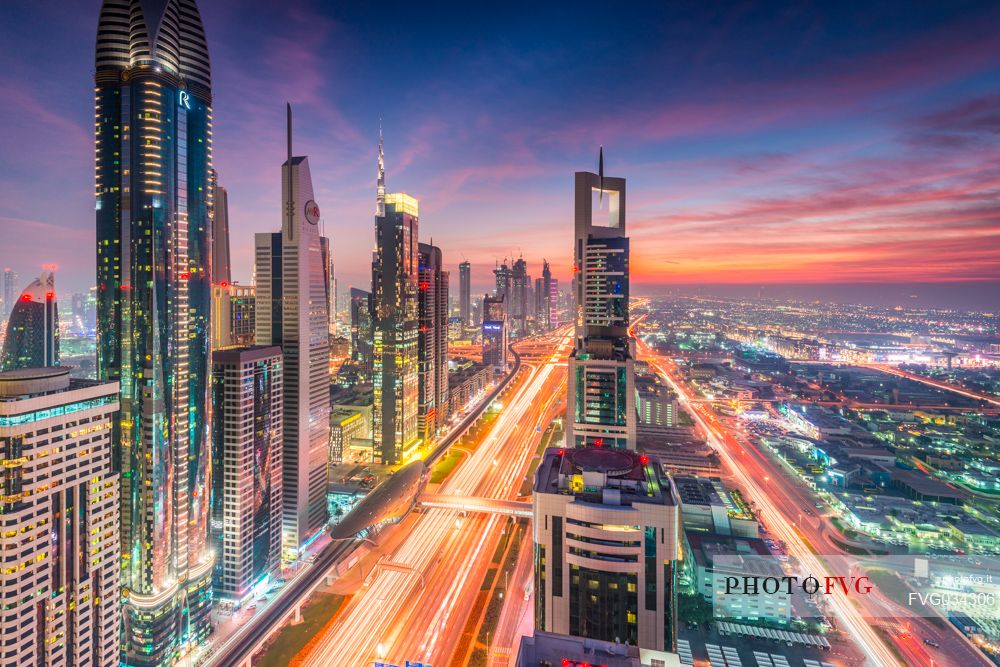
[153, 126]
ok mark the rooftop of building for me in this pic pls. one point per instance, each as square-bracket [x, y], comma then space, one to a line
[554, 649]
[706, 546]
[243, 354]
[604, 475]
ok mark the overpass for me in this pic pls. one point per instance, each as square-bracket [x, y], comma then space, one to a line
[475, 504]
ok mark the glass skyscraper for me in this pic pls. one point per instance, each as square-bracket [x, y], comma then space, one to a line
[153, 187]
[33, 328]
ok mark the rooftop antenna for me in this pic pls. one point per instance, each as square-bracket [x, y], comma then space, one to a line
[289, 203]
[600, 173]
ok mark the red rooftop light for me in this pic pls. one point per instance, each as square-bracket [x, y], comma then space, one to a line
[643, 459]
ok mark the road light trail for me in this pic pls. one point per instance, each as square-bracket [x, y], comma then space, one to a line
[865, 637]
[394, 613]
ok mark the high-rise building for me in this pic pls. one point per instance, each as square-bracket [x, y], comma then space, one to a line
[33, 327]
[395, 373]
[503, 281]
[221, 263]
[544, 296]
[246, 459]
[465, 294]
[361, 331]
[432, 345]
[553, 305]
[233, 315]
[601, 403]
[607, 536]
[291, 311]
[153, 142]
[61, 603]
[495, 332]
[655, 403]
[9, 290]
[330, 281]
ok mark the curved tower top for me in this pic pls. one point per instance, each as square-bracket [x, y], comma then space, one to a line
[154, 33]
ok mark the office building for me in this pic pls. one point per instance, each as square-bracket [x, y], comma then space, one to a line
[549, 649]
[59, 502]
[221, 263]
[291, 312]
[495, 332]
[9, 291]
[607, 534]
[601, 405]
[153, 190]
[503, 282]
[347, 424]
[330, 280]
[553, 305]
[465, 294]
[32, 338]
[247, 435]
[517, 314]
[361, 332]
[543, 294]
[432, 342]
[655, 403]
[233, 315]
[395, 372]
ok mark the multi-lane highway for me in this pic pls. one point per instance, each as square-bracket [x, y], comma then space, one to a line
[415, 606]
[755, 479]
[237, 647]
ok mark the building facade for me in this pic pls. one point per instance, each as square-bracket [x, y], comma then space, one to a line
[601, 405]
[222, 273]
[361, 332]
[153, 189]
[59, 507]
[291, 311]
[495, 332]
[607, 537]
[518, 301]
[465, 294]
[432, 346]
[32, 338]
[9, 291]
[395, 372]
[233, 315]
[247, 437]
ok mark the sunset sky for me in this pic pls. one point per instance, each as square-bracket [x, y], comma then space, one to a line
[817, 142]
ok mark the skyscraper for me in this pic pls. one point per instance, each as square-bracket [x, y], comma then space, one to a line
[153, 126]
[518, 300]
[601, 402]
[465, 293]
[33, 327]
[291, 311]
[553, 305]
[607, 535]
[394, 320]
[495, 332]
[331, 284]
[432, 345]
[9, 290]
[502, 289]
[233, 315]
[544, 297]
[60, 602]
[361, 331]
[221, 263]
[246, 459]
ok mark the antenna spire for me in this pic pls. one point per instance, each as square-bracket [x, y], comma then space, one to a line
[600, 171]
[380, 187]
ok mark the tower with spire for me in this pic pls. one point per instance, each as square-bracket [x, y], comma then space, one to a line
[395, 274]
[292, 271]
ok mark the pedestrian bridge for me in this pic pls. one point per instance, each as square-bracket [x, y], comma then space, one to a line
[475, 504]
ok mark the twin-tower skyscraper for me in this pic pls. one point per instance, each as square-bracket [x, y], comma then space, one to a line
[153, 201]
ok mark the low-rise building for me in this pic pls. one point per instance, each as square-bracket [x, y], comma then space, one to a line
[548, 649]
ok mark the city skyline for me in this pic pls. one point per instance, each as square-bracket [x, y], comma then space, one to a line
[855, 161]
